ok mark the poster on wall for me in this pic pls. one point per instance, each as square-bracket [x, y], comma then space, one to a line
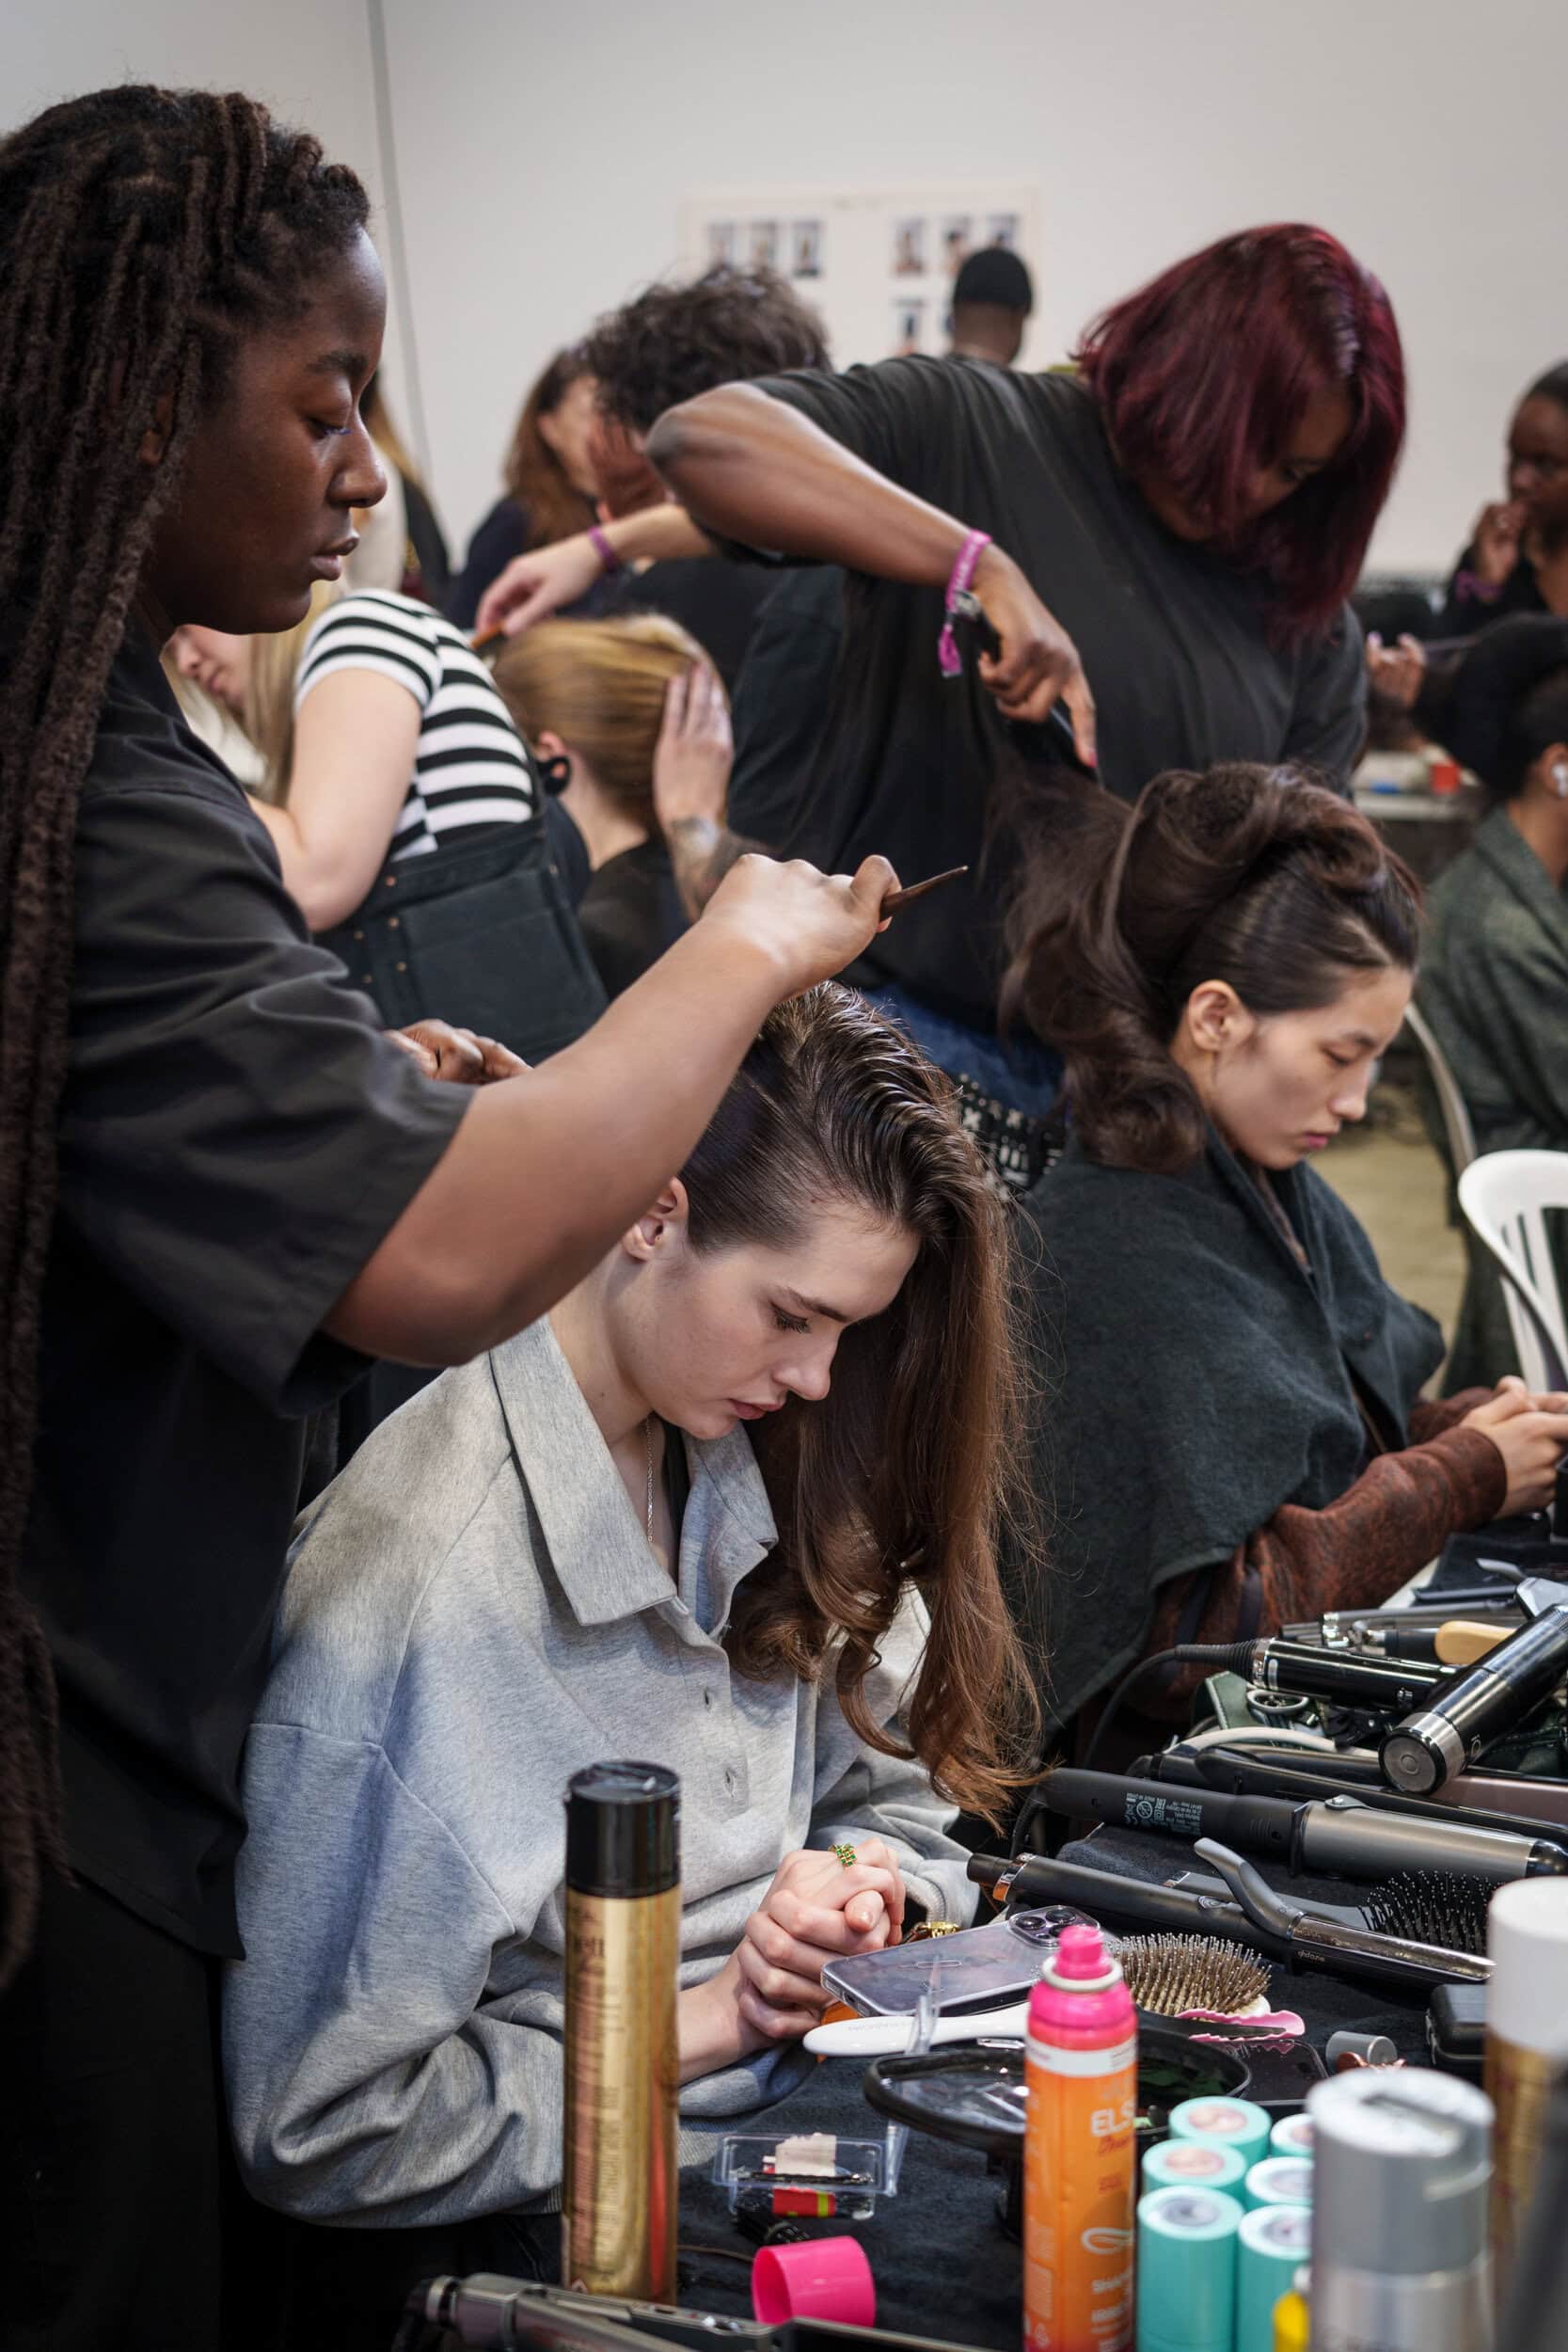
[878, 264]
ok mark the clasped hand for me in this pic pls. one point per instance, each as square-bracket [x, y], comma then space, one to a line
[771, 1988]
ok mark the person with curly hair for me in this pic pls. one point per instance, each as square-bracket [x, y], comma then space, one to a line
[222, 1186]
[672, 341]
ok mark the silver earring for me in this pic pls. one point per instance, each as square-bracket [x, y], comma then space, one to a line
[1560, 779]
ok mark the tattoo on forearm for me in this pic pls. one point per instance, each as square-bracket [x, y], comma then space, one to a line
[702, 854]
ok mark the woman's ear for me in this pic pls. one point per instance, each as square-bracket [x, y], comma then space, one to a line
[548, 745]
[661, 1227]
[1215, 1019]
[1550, 771]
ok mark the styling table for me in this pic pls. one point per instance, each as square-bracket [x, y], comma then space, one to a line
[944, 2265]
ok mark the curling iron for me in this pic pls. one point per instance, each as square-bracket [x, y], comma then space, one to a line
[1450, 1730]
[493, 2315]
[1264, 1921]
[1338, 1836]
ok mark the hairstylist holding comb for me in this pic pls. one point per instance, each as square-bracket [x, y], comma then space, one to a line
[221, 1187]
[1175, 528]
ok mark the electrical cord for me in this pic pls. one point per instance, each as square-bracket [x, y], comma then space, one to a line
[1224, 1657]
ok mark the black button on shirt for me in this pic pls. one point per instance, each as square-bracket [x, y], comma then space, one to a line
[236, 1138]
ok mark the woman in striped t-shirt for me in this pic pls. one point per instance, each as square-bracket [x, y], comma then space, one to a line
[399, 744]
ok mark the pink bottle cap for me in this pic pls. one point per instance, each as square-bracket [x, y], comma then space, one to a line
[826, 2278]
[1080, 1955]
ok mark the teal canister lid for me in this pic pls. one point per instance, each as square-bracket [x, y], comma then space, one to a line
[1194, 2164]
[1233, 2122]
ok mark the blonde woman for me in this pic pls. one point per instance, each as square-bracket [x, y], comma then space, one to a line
[631, 728]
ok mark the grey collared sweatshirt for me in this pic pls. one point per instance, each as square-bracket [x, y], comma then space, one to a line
[472, 1614]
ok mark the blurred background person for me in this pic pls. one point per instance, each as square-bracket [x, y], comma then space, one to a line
[1497, 574]
[993, 296]
[1493, 977]
[402, 545]
[665, 346]
[551, 482]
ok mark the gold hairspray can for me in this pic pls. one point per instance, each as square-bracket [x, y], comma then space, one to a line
[622, 2062]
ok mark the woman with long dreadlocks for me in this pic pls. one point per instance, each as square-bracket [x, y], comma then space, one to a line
[221, 1187]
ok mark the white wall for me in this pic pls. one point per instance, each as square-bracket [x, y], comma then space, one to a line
[544, 151]
[309, 59]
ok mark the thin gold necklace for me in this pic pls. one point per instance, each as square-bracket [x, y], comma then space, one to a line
[648, 1435]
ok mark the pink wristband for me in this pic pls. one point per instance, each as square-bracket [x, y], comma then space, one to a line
[602, 548]
[963, 572]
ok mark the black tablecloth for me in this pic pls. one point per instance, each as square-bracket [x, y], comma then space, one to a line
[943, 2264]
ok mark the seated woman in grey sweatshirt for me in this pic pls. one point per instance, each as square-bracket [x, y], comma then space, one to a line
[647, 1527]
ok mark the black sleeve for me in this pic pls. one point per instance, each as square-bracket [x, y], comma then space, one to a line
[501, 536]
[780, 703]
[237, 1136]
[1328, 725]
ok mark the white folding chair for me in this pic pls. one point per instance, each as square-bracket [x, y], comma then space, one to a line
[1505, 1196]
[1456, 1118]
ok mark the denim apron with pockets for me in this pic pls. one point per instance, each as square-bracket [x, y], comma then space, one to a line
[480, 934]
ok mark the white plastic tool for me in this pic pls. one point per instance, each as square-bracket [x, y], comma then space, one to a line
[882, 2037]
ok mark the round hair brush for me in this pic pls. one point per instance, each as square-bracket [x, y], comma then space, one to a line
[1168, 1975]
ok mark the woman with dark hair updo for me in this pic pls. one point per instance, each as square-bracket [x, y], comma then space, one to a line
[731, 1506]
[1495, 963]
[1235, 1437]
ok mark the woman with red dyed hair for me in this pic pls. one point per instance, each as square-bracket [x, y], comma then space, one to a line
[1164, 541]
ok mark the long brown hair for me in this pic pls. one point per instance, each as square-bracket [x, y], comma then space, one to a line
[600, 686]
[905, 1472]
[534, 474]
[141, 232]
[1253, 876]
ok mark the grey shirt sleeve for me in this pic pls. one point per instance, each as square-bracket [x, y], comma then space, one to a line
[369, 2080]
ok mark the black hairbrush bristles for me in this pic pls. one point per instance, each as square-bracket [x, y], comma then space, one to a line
[1441, 1907]
[1169, 1974]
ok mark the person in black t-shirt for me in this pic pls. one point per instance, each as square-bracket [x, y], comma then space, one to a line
[1176, 527]
[222, 1188]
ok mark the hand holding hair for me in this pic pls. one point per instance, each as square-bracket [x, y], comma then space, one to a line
[460, 1056]
[1038, 663]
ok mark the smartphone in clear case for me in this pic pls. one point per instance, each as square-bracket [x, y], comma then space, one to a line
[981, 1967]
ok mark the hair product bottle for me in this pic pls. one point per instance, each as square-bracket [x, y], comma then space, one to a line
[1080, 2163]
[623, 1944]
[1402, 2166]
[1527, 2043]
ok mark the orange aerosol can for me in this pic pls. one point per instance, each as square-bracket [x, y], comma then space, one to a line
[1080, 2156]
